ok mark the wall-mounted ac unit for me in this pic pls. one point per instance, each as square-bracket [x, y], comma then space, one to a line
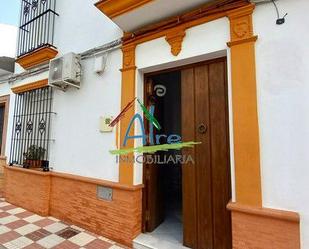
[65, 71]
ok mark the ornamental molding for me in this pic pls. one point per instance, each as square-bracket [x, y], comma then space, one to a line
[175, 39]
[128, 57]
[241, 26]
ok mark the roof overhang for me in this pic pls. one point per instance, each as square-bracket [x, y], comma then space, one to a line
[131, 15]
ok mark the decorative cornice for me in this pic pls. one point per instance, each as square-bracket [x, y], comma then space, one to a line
[242, 11]
[237, 42]
[206, 13]
[30, 86]
[241, 27]
[37, 57]
[114, 8]
[128, 57]
[175, 39]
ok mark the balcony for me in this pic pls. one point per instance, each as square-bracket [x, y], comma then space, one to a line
[36, 32]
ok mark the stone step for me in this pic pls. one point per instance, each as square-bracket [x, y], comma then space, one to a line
[148, 241]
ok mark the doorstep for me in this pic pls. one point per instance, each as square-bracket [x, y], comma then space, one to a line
[150, 241]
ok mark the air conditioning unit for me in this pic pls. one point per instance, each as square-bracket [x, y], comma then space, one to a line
[65, 71]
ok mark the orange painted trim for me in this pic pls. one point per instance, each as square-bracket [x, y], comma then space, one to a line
[161, 33]
[188, 20]
[114, 8]
[84, 179]
[30, 86]
[126, 169]
[116, 136]
[105, 183]
[264, 212]
[37, 57]
[175, 39]
[234, 43]
[244, 102]
[246, 130]
[27, 171]
[174, 36]
[254, 227]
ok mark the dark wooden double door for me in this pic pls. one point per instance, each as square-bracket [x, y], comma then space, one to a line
[206, 187]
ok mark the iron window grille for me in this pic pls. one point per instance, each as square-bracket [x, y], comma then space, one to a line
[36, 29]
[31, 128]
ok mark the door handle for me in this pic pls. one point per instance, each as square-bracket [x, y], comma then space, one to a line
[202, 128]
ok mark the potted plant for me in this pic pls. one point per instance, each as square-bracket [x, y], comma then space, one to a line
[33, 157]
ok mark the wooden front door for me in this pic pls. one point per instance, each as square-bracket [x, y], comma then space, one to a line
[153, 193]
[206, 183]
[206, 187]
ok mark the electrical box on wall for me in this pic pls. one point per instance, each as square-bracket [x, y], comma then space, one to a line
[104, 193]
[100, 63]
[104, 124]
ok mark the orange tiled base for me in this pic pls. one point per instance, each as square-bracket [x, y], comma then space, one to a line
[2, 165]
[119, 220]
[28, 189]
[74, 199]
[263, 228]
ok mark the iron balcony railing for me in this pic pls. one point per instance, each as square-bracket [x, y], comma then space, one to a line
[37, 21]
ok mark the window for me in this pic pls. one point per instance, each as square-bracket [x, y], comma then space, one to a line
[36, 28]
[31, 128]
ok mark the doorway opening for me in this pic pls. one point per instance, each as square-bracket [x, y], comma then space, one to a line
[184, 202]
[166, 99]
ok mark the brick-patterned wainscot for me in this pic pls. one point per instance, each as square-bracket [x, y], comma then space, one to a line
[28, 189]
[74, 199]
[2, 165]
[263, 228]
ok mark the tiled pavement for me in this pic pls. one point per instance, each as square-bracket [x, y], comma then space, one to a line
[22, 229]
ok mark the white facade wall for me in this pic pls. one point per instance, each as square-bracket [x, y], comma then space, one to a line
[283, 90]
[81, 26]
[79, 147]
[283, 100]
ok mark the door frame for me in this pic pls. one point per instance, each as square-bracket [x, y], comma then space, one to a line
[179, 68]
[242, 77]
